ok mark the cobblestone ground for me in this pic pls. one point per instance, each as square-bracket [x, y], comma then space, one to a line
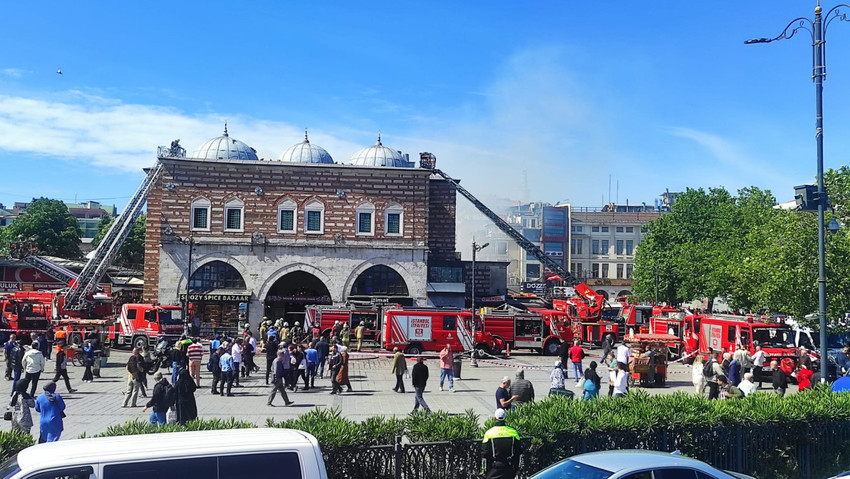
[96, 406]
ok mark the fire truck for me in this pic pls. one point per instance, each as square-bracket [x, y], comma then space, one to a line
[538, 329]
[590, 321]
[731, 332]
[418, 330]
[325, 317]
[139, 325]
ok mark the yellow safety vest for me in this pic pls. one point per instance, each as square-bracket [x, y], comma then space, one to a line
[500, 431]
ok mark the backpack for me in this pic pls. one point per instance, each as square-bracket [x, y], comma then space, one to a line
[170, 397]
[212, 364]
[708, 369]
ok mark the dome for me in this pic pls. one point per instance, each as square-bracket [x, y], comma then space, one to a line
[306, 152]
[225, 147]
[379, 155]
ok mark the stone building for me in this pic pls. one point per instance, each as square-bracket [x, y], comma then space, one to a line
[265, 238]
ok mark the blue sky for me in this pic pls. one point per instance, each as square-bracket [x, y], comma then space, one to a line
[657, 95]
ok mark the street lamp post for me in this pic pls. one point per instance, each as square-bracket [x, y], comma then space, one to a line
[475, 249]
[817, 28]
[186, 318]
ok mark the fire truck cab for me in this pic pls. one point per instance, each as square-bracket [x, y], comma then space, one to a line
[532, 329]
[325, 317]
[417, 331]
[732, 332]
[139, 325]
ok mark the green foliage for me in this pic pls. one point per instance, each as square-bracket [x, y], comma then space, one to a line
[13, 441]
[132, 252]
[48, 223]
[139, 426]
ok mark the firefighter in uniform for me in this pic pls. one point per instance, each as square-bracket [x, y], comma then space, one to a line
[265, 326]
[501, 449]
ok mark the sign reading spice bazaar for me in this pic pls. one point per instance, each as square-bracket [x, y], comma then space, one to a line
[217, 296]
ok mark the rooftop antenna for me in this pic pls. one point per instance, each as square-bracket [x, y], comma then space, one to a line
[379, 137]
[609, 190]
[306, 140]
[225, 127]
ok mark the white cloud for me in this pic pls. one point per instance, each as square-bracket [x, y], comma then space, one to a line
[14, 72]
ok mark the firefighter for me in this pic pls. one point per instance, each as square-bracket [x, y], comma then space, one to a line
[264, 330]
[284, 332]
[501, 448]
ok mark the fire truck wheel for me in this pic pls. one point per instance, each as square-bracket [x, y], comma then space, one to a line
[413, 349]
[483, 348]
[495, 349]
[551, 347]
[76, 339]
[140, 342]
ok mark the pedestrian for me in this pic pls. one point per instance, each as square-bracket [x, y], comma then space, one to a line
[725, 363]
[17, 364]
[804, 377]
[301, 366]
[727, 389]
[228, 369]
[342, 377]
[323, 348]
[501, 448]
[94, 340]
[592, 382]
[159, 400]
[613, 367]
[557, 378]
[734, 371]
[135, 367]
[621, 381]
[564, 354]
[195, 354]
[278, 385]
[358, 333]
[272, 345]
[51, 407]
[249, 345]
[746, 385]
[778, 378]
[88, 361]
[187, 409]
[214, 366]
[289, 368]
[312, 356]
[623, 355]
[236, 353]
[758, 365]
[346, 334]
[62, 368]
[398, 369]
[522, 389]
[711, 370]
[176, 357]
[8, 353]
[744, 359]
[215, 343]
[22, 405]
[697, 377]
[576, 355]
[419, 378]
[446, 364]
[33, 365]
[504, 399]
[334, 365]
[607, 346]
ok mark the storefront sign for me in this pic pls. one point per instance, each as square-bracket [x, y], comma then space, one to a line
[299, 299]
[222, 297]
[533, 287]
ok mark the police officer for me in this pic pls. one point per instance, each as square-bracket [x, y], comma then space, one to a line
[501, 448]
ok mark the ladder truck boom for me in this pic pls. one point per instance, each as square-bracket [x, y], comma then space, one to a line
[89, 277]
[50, 268]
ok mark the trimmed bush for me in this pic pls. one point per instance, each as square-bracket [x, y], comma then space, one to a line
[13, 441]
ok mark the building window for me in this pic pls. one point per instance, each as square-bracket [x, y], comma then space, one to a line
[233, 211]
[201, 215]
[575, 246]
[393, 219]
[594, 270]
[605, 270]
[630, 229]
[314, 221]
[604, 248]
[619, 271]
[630, 269]
[619, 247]
[379, 280]
[576, 269]
[576, 229]
[532, 271]
[604, 229]
[502, 247]
[286, 217]
[594, 229]
[630, 247]
[594, 247]
[216, 275]
[619, 229]
[366, 219]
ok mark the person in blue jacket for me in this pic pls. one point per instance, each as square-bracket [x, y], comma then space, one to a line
[50, 405]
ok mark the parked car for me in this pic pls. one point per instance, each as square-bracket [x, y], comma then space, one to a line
[258, 453]
[633, 464]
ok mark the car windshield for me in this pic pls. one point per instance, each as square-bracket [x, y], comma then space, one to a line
[10, 467]
[774, 337]
[166, 316]
[570, 469]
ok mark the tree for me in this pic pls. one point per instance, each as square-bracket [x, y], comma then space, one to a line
[52, 229]
[132, 252]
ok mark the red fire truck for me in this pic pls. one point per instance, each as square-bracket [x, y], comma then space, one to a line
[139, 325]
[538, 329]
[416, 331]
[730, 332]
[669, 320]
[35, 311]
[325, 317]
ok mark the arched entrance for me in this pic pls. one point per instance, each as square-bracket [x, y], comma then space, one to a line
[218, 298]
[380, 281]
[289, 295]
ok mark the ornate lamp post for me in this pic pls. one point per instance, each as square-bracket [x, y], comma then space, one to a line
[475, 249]
[817, 29]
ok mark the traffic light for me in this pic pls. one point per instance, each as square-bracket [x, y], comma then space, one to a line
[806, 197]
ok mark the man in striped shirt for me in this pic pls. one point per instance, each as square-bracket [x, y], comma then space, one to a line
[195, 353]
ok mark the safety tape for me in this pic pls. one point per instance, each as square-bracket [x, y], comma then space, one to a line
[23, 331]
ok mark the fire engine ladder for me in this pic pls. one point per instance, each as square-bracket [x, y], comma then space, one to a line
[50, 268]
[464, 335]
[111, 243]
[521, 240]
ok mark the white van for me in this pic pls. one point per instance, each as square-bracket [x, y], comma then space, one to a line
[253, 453]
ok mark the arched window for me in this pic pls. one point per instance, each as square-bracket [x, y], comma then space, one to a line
[314, 217]
[234, 215]
[201, 214]
[379, 280]
[216, 275]
[286, 216]
[365, 219]
[393, 220]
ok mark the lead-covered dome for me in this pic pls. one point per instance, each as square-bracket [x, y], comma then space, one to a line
[379, 155]
[225, 147]
[306, 152]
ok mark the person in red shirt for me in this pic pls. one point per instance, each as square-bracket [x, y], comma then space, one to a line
[576, 355]
[195, 353]
[804, 377]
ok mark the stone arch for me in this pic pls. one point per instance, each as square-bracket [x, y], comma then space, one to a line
[198, 263]
[406, 276]
[291, 291]
[263, 290]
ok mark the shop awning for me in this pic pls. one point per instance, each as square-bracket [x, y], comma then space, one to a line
[224, 295]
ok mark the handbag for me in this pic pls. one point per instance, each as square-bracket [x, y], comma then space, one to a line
[7, 416]
[581, 383]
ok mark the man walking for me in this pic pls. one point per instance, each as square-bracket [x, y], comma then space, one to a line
[159, 400]
[522, 389]
[323, 348]
[758, 365]
[277, 380]
[780, 381]
[446, 359]
[712, 369]
[272, 346]
[312, 355]
[419, 377]
[358, 333]
[134, 368]
[236, 354]
[196, 355]
[8, 352]
[399, 368]
[501, 449]
[576, 355]
[334, 365]
[62, 368]
[227, 367]
[33, 365]
[504, 399]
[214, 366]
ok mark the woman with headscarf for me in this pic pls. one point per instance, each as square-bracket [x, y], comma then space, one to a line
[51, 406]
[88, 360]
[187, 409]
[342, 376]
[21, 405]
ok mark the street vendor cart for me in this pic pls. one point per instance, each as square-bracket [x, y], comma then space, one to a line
[648, 362]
